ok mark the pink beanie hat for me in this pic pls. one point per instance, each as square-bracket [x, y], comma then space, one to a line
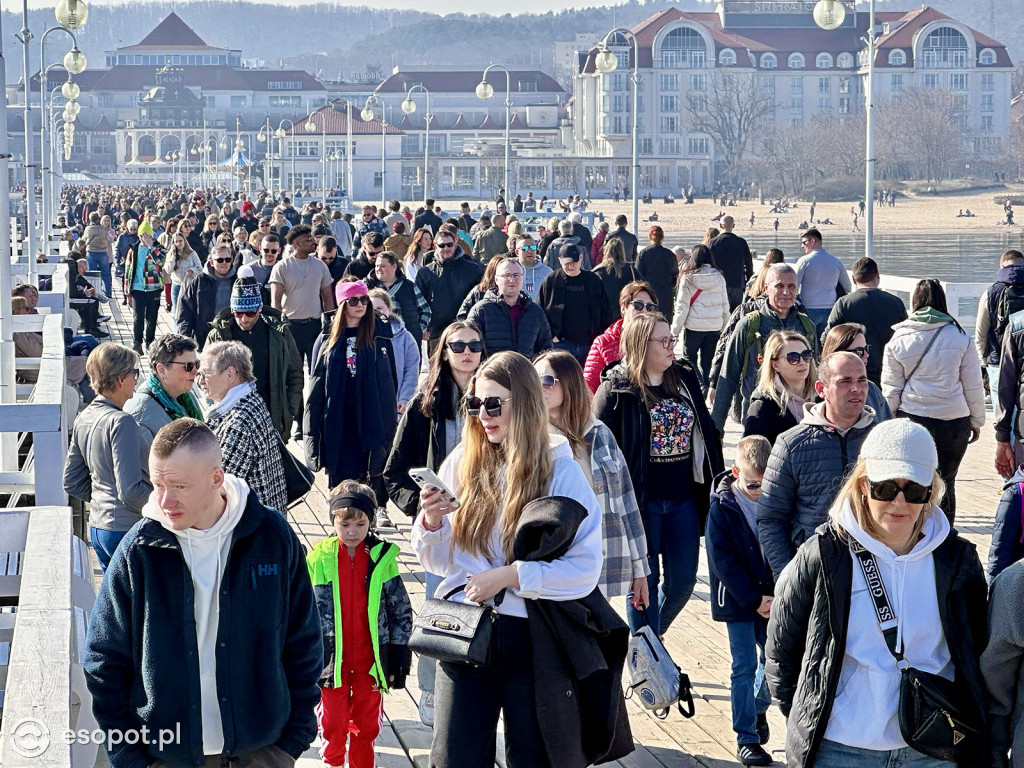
[343, 291]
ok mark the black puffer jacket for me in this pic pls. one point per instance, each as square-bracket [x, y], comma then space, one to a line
[808, 629]
[445, 284]
[619, 405]
[492, 316]
[201, 300]
[405, 303]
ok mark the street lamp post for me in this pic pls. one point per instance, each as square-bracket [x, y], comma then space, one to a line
[606, 62]
[408, 107]
[8, 381]
[280, 135]
[310, 126]
[485, 90]
[368, 114]
[830, 14]
[262, 137]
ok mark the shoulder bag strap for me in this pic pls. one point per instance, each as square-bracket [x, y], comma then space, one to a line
[695, 295]
[888, 623]
[923, 356]
[498, 598]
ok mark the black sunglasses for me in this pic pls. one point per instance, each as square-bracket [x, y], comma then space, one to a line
[548, 381]
[490, 405]
[355, 301]
[753, 486]
[249, 314]
[861, 351]
[274, 251]
[458, 347]
[222, 261]
[887, 490]
[189, 366]
[642, 306]
[794, 358]
[444, 245]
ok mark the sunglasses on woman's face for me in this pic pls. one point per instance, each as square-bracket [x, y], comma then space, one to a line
[355, 301]
[644, 306]
[795, 358]
[861, 352]
[548, 382]
[458, 347]
[189, 366]
[490, 405]
[887, 490]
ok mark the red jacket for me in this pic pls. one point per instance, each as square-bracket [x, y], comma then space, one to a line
[357, 646]
[595, 248]
[603, 351]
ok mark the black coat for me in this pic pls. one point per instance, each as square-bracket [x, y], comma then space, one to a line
[405, 304]
[740, 576]
[445, 283]
[427, 219]
[578, 647]
[580, 231]
[198, 305]
[878, 312]
[733, 259]
[764, 417]
[542, 246]
[629, 243]
[359, 267]
[619, 405]
[613, 285]
[808, 629]
[492, 315]
[552, 296]
[660, 268]
[420, 441]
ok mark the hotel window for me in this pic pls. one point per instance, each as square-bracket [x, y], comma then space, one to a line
[796, 85]
[669, 103]
[988, 82]
[986, 123]
[844, 105]
[769, 61]
[727, 57]
[824, 85]
[897, 58]
[698, 82]
[987, 57]
[670, 82]
[897, 83]
[669, 124]
[958, 81]
[931, 82]
[986, 103]
[699, 146]
[824, 104]
[824, 61]
[796, 61]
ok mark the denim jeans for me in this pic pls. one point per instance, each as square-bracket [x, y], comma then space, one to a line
[99, 261]
[175, 290]
[673, 532]
[834, 755]
[748, 690]
[104, 543]
[426, 668]
[820, 319]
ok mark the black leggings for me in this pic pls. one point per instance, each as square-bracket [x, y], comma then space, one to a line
[468, 701]
[145, 307]
[951, 437]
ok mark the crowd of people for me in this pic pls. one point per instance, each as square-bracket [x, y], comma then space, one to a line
[570, 390]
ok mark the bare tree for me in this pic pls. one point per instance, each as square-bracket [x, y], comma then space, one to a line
[926, 128]
[730, 112]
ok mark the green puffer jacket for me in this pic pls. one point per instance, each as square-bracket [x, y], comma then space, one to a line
[285, 387]
[390, 612]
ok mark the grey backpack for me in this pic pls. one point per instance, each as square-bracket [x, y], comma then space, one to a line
[655, 678]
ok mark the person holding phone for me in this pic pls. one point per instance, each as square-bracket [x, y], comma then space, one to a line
[507, 458]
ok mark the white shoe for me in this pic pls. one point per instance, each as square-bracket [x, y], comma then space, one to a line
[427, 708]
[383, 520]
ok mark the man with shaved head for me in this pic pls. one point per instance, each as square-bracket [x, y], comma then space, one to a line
[733, 258]
[205, 627]
[809, 461]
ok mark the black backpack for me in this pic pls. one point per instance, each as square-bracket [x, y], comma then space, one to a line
[1011, 300]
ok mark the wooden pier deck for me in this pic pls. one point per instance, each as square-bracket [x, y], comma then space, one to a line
[698, 644]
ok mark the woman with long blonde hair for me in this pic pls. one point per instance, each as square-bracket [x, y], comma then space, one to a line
[653, 405]
[506, 459]
[784, 383]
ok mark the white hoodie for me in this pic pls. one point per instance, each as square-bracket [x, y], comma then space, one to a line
[864, 712]
[206, 555]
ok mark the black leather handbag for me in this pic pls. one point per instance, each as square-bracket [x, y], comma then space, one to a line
[459, 633]
[934, 713]
[298, 478]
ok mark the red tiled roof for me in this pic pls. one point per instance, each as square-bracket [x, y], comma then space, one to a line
[463, 81]
[172, 32]
[336, 120]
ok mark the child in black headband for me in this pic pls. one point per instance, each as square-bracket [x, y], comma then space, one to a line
[366, 619]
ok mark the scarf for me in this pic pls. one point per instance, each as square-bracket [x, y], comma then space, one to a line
[931, 315]
[231, 399]
[794, 402]
[184, 406]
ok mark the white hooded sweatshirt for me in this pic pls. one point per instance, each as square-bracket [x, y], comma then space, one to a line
[864, 712]
[206, 555]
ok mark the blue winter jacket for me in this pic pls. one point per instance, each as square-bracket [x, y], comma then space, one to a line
[142, 656]
[1008, 529]
[740, 575]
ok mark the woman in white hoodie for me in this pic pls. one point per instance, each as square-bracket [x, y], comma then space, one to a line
[507, 458]
[829, 664]
[701, 310]
[931, 373]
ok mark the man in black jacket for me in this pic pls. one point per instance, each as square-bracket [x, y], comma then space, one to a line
[206, 295]
[446, 281]
[466, 220]
[873, 308]
[237, 681]
[629, 244]
[428, 218]
[508, 317]
[362, 265]
[575, 304]
[733, 259]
